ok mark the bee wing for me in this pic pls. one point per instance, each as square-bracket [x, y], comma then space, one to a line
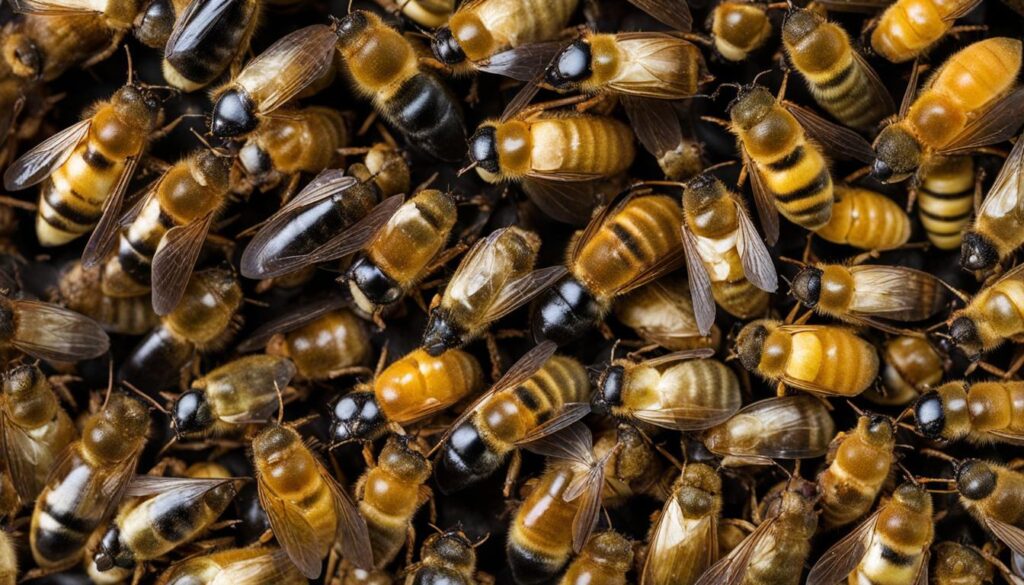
[586, 486]
[764, 201]
[196, 24]
[36, 165]
[674, 13]
[679, 545]
[294, 533]
[875, 83]
[174, 260]
[568, 414]
[105, 234]
[664, 59]
[359, 234]
[568, 198]
[1004, 198]
[997, 124]
[757, 262]
[700, 283]
[855, 5]
[267, 569]
[24, 455]
[523, 63]
[1011, 437]
[353, 536]
[51, 332]
[288, 66]
[519, 291]
[655, 123]
[679, 356]
[963, 9]
[59, 7]
[836, 139]
[792, 427]
[185, 488]
[293, 319]
[1010, 535]
[844, 556]
[685, 418]
[910, 91]
[522, 98]
[896, 292]
[732, 570]
[574, 444]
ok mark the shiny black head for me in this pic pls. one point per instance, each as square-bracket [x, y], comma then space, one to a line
[964, 332]
[446, 48]
[807, 286]
[357, 417]
[571, 66]
[378, 288]
[565, 312]
[609, 389]
[929, 415]
[465, 460]
[234, 114]
[351, 26]
[191, 413]
[483, 149]
[975, 480]
[977, 252]
[750, 343]
[111, 553]
[441, 333]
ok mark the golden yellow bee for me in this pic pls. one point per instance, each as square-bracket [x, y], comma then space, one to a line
[45, 46]
[909, 28]
[865, 219]
[958, 564]
[981, 412]
[992, 316]
[996, 230]
[909, 363]
[788, 427]
[447, 557]
[240, 566]
[994, 495]
[740, 28]
[49, 332]
[858, 464]
[945, 201]
[304, 140]
[604, 560]
[661, 313]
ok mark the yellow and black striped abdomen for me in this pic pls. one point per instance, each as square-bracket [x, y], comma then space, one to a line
[847, 94]
[833, 359]
[524, 21]
[581, 144]
[945, 201]
[128, 273]
[801, 183]
[71, 200]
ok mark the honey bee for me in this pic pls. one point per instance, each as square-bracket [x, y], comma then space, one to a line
[955, 563]
[776, 551]
[631, 466]
[726, 259]
[87, 483]
[240, 566]
[176, 511]
[604, 560]
[909, 363]
[994, 495]
[272, 79]
[908, 28]
[42, 47]
[81, 289]
[632, 241]
[502, 37]
[870, 295]
[35, 429]
[557, 156]
[670, 391]
[945, 200]
[446, 557]
[994, 235]
[402, 251]
[349, 575]
[891, 546]
[8, 560]
[980, 412]
[383, 66]
[206, 40]
[304, 140]
[971, 101]
[539, 395]
[991, 316]
[661, 312]
[49, 332]
[412, 388]
[839, 78]
[160, 244]
[823, 359]
[493, 279]
[858, 464]
[241, 391]
[86, 168]
[683, 542]
[740, 28]
[866, 220]
[308, 510]
[788, 427]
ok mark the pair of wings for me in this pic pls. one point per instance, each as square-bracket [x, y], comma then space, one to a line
[300, 541]
[757, 263]
[893, 293]
[28, 459]
[792, 427]
[845, 556]
[51, 332]
[679, 545]
[258, 259]
[1006, 197]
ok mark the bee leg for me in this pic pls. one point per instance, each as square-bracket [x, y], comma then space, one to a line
[368, 456]
[911, 198]
[956, 31]
[60, 384]
[513, 473]
[367, 123]
[606, 331]
[289, 190]
[140, 571]
[1015, 366]
[484, 578]
[861, 258]
[494, 355]
[433, 63]
[857, 175]
[427, 497]
[115, 43]
[266, 537]
[743, 525]
[780, 389]
[410, 543]
[473, 96]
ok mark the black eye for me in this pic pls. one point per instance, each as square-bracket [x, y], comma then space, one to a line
[929, 415]
[233, 115]
[483, 149]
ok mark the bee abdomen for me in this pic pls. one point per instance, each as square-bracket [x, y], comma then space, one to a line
[203, 57]
[848, 96]
[867, 220]
[802, 186]
[426, 111]
[945, 215]
[530, 566]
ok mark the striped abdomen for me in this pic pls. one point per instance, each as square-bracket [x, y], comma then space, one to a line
[206, 42]
[867, 220]
[833, 359]
[540, 538]
[71, 200]
[799, 179]
[580, 144]
[945, 201]
[304, 142]
[730, 287]
[998, 311]
[848, 495]
[909, 27]
[412, 238]
[516, 23]
[80, 290]
[128, 273]
[67, 512]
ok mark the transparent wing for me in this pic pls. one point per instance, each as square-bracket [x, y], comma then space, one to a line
[674, 13]
[838, 140]
[59, 7]
[353, 537]
[184, 488]
[896, 292]
[764, 201]
[758, 266]
[679, 546]
[568, 414]
[288, 66]
[267, 569]
[875, 83]
[174, 260]
[574, 444]
[667, 62]
[655, 123]
[693, 417]
[732, 570]
[1005, 196]
[28, 460]
[789, 427]
[586, 486]
[294, 533]
[51, 332]
[197, 24]
[844, 556]
[519, 291]
[36, 165]
[523, 63]
[998, 124]
[700, 283]
[1008, 534]
[105, 234]
[297, 317]
[359, 234]
[570, 201]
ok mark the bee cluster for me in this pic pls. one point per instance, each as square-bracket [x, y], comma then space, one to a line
[497, 291]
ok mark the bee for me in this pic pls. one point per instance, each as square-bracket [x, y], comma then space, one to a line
[971, 101]
[558, 156]
[204, 320]
[994, 235]
[683, 542]
[241, 391]
[541, 394]
[787, 427]
[994, 495]
[304, 140]
[945, 200]
[49, 332]
[446, 557]
[35, 429]
[81, 289]
[740, 28]
[823, 359]
[991, 316]
[908, 28]
[402, 252]
[776, 551]
[10, 503]
[349, 575]
[428, 13]
[632, 241]
[956, 564]
[206, 40]
[866, 220]
[909, 363]
[272, 79]
[891, 546]
[383, 66]
[980, 412]
[412, 388]
[8, 560]
[631, 466]
[726, 259]
[871, 295]
[86, 168]
[88, 482]
[162, 242]
[661, 312]
[858, 464]
[42, 47]
[240, 566]
[493, 279]
[604, 560]
[839, 78]
[670, 391]
[307, 508]
[502, 37]
[176, 511]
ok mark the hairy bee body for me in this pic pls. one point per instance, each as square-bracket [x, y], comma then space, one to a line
[259, 565]
[739, 28]
[328, 344]
[981, 412]
[994, 314]
[81, 289]
[540, 538]
[858, 467]
[908, 28]
[661, 312]
[954, 563]
[866, 219]
[686, 528]
[446, 557]
[302, 141]
[631, 467]
[910, 363]
[44, 47]
[991, 491]
[604, 560]
[945, 200]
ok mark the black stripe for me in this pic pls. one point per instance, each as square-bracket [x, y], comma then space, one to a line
[952, 231]
[925, 213]
[59, 203]
[96, 160]
[949, 196]
[68, 520]
[788, 161]
[897, 558]
[628, 240]
[839, 79]
[817, 184]
[527, 398]
[427, 212]
[814, 209]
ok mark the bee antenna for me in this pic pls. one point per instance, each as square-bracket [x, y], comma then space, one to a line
[131, 67]
[168, 444]
[615, 346]
[349, 7]
[467, 168]
[481, 540]
[759, 76]
[436, 528]
[905, 412]
[110, 379]
[906, 472]
[280, 403]
[793, 261]
[152, 401]
[940, 455]
[857, 409]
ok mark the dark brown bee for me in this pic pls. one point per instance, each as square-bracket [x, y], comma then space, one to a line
[446, 557]
[958, 564]
[206, 39]
[50, 332]
[788, 427]
[994, 495]
[740, 28]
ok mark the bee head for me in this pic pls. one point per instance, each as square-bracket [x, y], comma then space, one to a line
[111, 553]
[154, 25]
[609, 389]
[191, 413]
[807, 286]
[930, 415]
[356, 417]
[897, 155]
[441, 333]
[751, 105]
[975, 479]
[234, 114]
[354, 23]
[964, 332]
[749, 344]
[483, 148]
[446, 47]
[977, 252]
[571, 65]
